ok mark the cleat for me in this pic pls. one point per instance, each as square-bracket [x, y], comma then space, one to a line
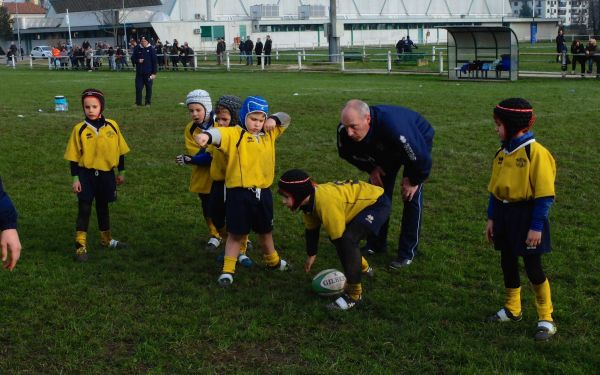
[345, 302]
[504, 315]
[213, 244]
[114, 244]
[283, 265]
[225, 279]
[370, 272]
[545, 330]
[81, 254]
[399, 263]
[245, 261]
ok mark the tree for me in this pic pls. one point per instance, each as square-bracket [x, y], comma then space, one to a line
[526, 11]
[6, 31]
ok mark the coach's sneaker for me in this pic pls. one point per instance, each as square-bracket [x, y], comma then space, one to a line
[399, 263]
[81, 254]
[369, 272]
[345, 302]
[545, 330]
[283, 265]
[245, 260]
[115, 244]
[504, 315]
[225, 279]
[213, 244]
[107, 241]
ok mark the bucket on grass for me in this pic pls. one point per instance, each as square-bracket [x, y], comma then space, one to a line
[61, 104]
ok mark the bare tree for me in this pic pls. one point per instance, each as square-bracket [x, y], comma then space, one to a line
[113, 18]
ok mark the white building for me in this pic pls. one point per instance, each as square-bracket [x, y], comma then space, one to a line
[291, 23]
[569, 12]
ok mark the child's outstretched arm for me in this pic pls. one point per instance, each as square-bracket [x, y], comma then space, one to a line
[277, 119]
[209, 137]
[312, 242]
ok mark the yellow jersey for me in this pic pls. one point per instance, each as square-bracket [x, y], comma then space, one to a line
[200, 181]
[98, 149]
[337, 203]
[517, 176]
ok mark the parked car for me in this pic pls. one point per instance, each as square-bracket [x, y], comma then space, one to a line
[41, 51]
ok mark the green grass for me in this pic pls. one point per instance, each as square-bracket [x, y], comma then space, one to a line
[156, 308]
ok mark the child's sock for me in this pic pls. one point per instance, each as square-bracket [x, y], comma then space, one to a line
[80, 239]
[212, 230]
[244, 246]
[364, 265]
[271, 260]
[354, 291]
[105, 237]
[543, 300]
[512, 300]
[229, 264]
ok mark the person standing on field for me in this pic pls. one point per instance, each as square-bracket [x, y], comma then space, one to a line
[379, 140]
[146, 66]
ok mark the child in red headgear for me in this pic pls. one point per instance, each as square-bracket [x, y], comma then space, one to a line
[521, 193]
[96, 147]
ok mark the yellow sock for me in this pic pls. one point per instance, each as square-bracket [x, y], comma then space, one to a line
[543, 300]
[364, 265]
[105, 237]
[244, 246]
[512, 300]
[229, 264]
[272, 259]
[354, 291]
[80, 239]
[212, 230]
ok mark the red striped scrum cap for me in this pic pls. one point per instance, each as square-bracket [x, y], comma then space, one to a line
[515, 114]
[296, 184]
[94, 93]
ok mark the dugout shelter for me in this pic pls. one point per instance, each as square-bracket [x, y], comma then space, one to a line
[482, 53]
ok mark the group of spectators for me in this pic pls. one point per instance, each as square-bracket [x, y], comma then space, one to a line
[404, 45]
[584, 55]
[247, 48]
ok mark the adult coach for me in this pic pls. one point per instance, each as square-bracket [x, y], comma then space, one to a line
[146, 64]
[9, 237]
[379, 140]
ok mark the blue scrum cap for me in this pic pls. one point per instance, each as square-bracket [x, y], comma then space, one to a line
[253, 104]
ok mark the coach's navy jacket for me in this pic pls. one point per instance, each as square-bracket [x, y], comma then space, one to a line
[150, 64]
[397, 137]
[8, 214]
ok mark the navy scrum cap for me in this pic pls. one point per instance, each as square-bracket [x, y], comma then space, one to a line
[515, 114]
[296, 184]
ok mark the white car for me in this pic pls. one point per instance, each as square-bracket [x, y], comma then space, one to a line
[41, 52]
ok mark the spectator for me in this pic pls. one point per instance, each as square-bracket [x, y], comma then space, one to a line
[159, 54]
[560, 44]
[258, 50]
[590, 51]
[400, 49]
[111, 58]
[578, 51]
[408, 45]
[64, 58]
[175, 54]
[249, 48]
[9, 57]
[242, 47]
[268, 46]
[220, 50]
[119, 57]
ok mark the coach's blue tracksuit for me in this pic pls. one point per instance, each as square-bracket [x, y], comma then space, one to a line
[8, 214]
[397, 137]
[143, 71]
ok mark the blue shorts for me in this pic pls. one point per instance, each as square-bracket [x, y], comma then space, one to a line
[246, 209]
[511, 225]
[374, 216]
[97, 184]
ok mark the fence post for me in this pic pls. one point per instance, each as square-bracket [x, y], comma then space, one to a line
[195, 61]
[441, 63]
[277, 54]
[389, 61]
[299, 61]
[342, 65]
[303, 54]
[30, 62]
[262, 61]
[13, 61]
[205, 56]
[433, 54]
[227, 62]
[49, 63]
[364, 57]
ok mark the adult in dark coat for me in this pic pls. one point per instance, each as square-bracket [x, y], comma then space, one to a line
[258, 50]
[560, 44]
[380, 140]
[249, 47]
[146, 66]
[9, 237]
[267, 50]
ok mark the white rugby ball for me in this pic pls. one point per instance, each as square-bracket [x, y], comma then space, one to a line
[329, 282]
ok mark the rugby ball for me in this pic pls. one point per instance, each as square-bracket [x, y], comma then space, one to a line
[329, 282]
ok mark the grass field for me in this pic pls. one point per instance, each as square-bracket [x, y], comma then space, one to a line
[156, 308]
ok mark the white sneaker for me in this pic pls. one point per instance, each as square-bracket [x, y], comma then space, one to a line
[225, 279]
[213, 244]
[114, 244]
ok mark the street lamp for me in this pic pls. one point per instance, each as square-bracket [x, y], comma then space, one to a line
[18, 29]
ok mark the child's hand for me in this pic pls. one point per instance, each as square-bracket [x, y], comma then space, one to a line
[489, 230]
[534, 238]
[270, 124]
[201, 139]
[120, 179]
[76, 187]
[183, 159]
[309, 262]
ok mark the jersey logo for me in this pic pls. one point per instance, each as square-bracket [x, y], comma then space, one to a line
[521, 162]
[500, 160]
[409, 151]
[110, 134]
[89, 136]
[369, 219]
[250, 139]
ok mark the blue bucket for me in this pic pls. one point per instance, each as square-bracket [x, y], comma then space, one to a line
[60, 104]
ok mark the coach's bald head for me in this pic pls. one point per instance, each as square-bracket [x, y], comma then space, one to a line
[356, 118]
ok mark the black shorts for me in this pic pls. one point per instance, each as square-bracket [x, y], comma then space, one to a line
[374, 216]
[97, 184]
[217, 204]
[246, 209]
[511, 225]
